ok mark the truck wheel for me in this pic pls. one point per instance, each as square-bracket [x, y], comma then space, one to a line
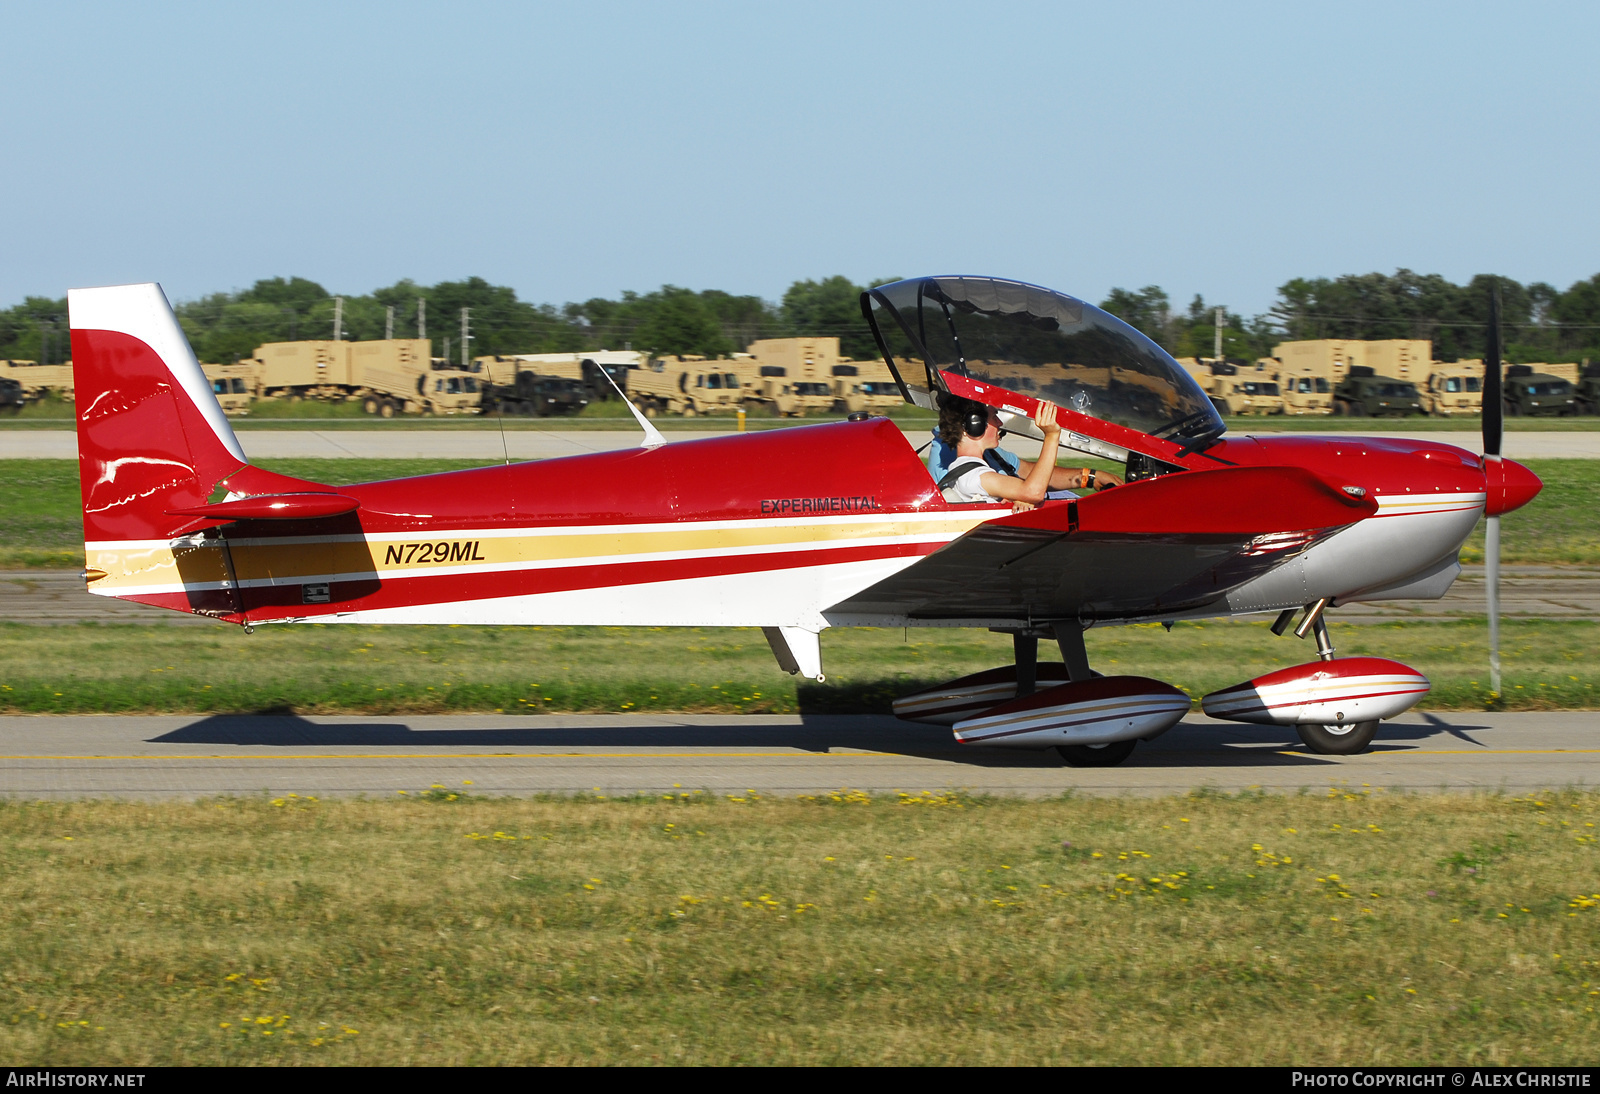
[689, 410]
[386, 409]
[370, 405]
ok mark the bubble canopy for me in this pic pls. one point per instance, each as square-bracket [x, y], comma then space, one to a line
[1038, 343]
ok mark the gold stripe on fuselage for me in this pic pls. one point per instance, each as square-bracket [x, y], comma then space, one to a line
[149, 566]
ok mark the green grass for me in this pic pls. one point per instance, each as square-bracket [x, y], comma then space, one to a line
[329, 669]
[41, 525]
[1341, 928]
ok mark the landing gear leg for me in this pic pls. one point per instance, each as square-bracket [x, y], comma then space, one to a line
[1069, 636]
[1340, 739]
[1026, 650]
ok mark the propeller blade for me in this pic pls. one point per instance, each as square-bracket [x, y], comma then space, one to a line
[1493, 406]
[1493, 422]
[1491, 587]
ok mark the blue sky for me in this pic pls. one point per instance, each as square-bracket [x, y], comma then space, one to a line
[577, 150]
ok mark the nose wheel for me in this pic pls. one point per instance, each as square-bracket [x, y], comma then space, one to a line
[1338, 740]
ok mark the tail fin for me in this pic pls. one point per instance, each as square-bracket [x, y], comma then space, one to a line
[151, 437]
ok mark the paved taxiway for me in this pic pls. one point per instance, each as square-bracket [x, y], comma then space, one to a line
[188, 757]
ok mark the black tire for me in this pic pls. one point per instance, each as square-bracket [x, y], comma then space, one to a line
[1513, 410]
[1096, 755]
[1341, 409]
[1338, 740]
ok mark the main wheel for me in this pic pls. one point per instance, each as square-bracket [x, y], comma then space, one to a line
[370, 405]
[1338, 740]
[1096, 755]
[386, 409]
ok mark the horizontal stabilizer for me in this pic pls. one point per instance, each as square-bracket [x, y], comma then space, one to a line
[274, 507]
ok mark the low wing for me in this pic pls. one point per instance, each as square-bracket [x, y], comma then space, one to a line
[1144, 550]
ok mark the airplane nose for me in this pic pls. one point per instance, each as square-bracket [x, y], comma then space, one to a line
[1510, 486]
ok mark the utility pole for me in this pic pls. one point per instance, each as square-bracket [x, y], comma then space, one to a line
[1218, 321]
[388, 323]
[466, 336]
[422, 318]
[338, 316]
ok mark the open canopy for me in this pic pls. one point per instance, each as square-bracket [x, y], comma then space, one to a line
[1037, 343]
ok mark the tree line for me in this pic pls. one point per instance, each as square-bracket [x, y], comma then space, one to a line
[1542, 323]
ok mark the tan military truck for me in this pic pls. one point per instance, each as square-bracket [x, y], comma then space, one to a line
[1400, 358]
[1454, 390]
[795, 376]
[864, 386]
[37, 381]
[1307, 386]
[387, 376]
[1207, 380]
[689, 385]
[234, 385]
[448, 390]
[1244, 390]
[589, 368]
[1235, 388]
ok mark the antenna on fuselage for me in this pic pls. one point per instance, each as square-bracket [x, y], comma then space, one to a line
[652, 435]
[1493, 427]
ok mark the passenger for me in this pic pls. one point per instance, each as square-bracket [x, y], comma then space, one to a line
[969, 431]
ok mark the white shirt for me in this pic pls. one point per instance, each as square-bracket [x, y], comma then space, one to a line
[969, 487]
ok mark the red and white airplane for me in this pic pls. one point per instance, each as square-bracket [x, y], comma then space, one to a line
[835, 525]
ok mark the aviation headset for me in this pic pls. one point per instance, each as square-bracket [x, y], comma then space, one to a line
[976, 420]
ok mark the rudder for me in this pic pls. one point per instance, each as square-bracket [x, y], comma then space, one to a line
[151, 437]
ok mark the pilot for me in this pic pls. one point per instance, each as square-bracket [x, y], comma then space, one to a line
[965, 421]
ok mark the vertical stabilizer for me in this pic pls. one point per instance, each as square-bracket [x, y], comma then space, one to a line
[151, 437]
